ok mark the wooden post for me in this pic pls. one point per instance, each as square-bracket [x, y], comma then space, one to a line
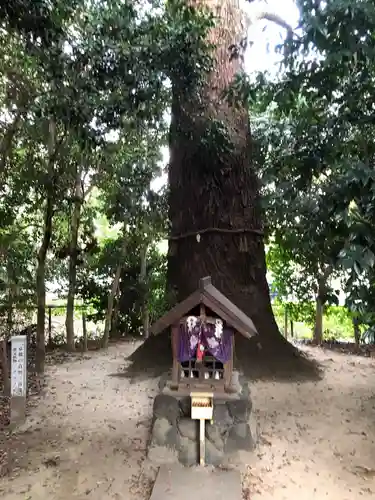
[202, 442]
[18, 379]
[49, 326]
[176, 364]
[228, 368]
[84, 331]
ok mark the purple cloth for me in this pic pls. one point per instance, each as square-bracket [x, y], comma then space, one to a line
[219, 345]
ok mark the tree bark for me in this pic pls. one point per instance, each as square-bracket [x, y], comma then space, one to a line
[73, 254]
[214, 192]
[42, 255]
[115, 331]
[84, 331]
[319, 311]
[11, 285]
[318, 328]
[7, 139]
[41, 287]
[357, 332]
[50, 327]
[215, 214]
[111, 300]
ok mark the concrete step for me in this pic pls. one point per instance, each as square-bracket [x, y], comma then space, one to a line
[175, 482]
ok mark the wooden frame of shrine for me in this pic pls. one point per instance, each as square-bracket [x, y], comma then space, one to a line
[203, 328]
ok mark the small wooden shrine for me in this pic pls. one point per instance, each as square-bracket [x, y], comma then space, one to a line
[203, 329]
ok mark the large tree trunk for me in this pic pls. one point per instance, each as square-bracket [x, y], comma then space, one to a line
[214, 193]
[73, 254]
[215, 214]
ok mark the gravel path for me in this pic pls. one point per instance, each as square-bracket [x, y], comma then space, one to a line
[86, 438]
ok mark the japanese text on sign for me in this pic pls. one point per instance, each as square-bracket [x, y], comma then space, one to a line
[18, 365]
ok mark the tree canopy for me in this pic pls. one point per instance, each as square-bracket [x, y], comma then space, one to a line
[313, 125]
[86, 90]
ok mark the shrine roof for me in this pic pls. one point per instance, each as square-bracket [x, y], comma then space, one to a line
[212, 298]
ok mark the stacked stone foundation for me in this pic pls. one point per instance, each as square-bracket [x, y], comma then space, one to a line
[175, 436]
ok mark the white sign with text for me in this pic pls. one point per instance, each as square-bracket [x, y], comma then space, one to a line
[19, 365]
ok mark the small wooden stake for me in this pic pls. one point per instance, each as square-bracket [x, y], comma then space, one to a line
[202, 442]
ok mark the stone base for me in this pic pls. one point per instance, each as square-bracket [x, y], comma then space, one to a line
[175, 436]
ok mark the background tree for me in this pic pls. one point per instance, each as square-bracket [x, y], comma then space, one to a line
[76, 96]
[315, 146]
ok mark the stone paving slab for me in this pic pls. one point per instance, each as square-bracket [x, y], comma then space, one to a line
[175, 482]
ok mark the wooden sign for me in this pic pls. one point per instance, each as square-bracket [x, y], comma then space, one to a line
[201, 405]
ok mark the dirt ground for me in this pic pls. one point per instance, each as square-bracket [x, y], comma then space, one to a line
[86, 438]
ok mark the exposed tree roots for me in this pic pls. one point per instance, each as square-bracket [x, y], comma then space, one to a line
[279, 361]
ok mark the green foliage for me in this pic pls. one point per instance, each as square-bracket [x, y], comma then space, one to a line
[315, 148]
[93, 286]
[338, 323]
[189, 56]
[84, 91]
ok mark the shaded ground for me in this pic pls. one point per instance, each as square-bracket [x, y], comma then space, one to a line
[87, 437]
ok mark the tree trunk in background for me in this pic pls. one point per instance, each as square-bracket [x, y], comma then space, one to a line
[143, 281]
[112, 294]
[11, 296]
[73, 254]
[146, 320]
[111, 300]
[215, 193]
[42, 256]
[4, 363]
[286, 321]
[84, 331]
[357, 332]
[41, 288]
[318, 328]
[319, 311]
[115, 323]
[50, 342]
[7, 138]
